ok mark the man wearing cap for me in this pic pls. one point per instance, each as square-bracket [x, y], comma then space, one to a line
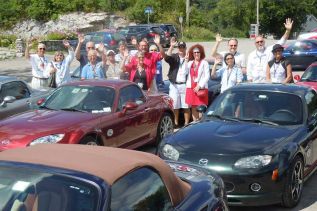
[112, 69]
[279, 69]
[39, 62]
[177, 76]
[258, 59]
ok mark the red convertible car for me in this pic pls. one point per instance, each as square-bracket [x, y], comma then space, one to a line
[309, 77]
[113, 113]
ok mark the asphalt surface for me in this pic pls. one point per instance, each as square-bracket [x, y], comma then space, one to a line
[21, 68]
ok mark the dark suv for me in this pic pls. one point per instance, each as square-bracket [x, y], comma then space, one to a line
[142, 31]
[169, 30]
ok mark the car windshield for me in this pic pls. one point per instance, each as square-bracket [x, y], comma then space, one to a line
[310, 74]
[93, 99]
[27, 189]
[268, 107]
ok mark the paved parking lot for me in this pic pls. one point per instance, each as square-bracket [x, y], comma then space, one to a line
[21, 68]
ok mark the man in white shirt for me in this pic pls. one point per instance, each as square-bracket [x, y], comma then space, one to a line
[258, 59]
[239, 58]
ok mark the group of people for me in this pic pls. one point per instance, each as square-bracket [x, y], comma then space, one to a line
[188, 70]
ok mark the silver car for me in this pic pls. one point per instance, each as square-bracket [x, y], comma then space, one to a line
[17, 96]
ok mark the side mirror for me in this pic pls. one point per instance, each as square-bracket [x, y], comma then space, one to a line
[7, 99]
[297, 78]
[201, 109]
[131, 105]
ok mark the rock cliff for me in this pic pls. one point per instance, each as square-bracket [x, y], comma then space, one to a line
[74, 22]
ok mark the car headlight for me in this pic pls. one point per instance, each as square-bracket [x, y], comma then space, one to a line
[51, 139]
[170, 152]
[257, 161]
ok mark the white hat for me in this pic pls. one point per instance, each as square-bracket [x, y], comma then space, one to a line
[109, 52]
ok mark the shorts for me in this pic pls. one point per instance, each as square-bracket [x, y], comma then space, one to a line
[177, 93]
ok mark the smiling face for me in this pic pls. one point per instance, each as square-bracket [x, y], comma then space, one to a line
[92, 56]
[59, 56]
[196, 53]
[143, 46]
[259, 43]
[278, 53]
[41, 49]
[232, 46]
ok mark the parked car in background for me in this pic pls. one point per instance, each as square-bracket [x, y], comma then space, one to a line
[110, 38]
[260, 138]
[17, 96]
[113, 113]
[169, 31]
[301, 53]
[142, 31]
[309, 77]
[44, 177]
[308, 36]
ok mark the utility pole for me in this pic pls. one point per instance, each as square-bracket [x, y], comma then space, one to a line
[187, 12]
[257, 19]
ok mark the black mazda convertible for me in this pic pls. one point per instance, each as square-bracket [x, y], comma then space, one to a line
[260, 138]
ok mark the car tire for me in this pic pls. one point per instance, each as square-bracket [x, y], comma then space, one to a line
[294, 183]
[165, 127]
[88, 140]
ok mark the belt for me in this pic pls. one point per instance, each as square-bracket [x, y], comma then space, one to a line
[180, 82]
[40, 78]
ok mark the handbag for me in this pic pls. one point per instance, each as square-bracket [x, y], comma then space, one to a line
[52, 80]
[202, 93]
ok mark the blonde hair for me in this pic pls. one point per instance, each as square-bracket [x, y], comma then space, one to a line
[58, 53]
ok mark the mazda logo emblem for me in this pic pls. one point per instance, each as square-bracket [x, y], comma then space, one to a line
[203, 162]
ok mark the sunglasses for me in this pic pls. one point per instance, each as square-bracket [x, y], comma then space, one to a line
[260, 41]
[229, 58]
[42, 49]
[233, 45]
[196, 52]
[90, 47]
[153, 50]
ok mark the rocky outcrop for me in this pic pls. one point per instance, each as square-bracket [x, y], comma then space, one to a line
[73, 22]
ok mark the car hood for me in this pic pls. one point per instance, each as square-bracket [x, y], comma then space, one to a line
[41, 122]
[225, 137]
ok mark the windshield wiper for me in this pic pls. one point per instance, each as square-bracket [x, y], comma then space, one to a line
[224, 118]
[45, 107]
[73, 109]
[260, 121]
[308, 80]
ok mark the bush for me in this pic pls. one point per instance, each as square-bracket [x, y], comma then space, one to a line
[198, 34]
[59, 35]
[7, 40]
[232, 32]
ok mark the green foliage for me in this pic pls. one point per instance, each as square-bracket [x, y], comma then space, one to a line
[7, 40]
[61, 35]
[194, 33]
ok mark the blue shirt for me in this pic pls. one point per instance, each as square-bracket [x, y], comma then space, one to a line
[92, 72]
[229, 79]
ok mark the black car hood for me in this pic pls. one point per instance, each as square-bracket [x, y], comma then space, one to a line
[226, 137]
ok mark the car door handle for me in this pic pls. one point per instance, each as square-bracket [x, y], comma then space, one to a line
[147, 109]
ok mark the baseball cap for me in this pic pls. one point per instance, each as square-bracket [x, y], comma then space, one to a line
[276, 47]
[110, 52]
[182, 44]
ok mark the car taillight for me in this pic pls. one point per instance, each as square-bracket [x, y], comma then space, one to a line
[167, 34]
[151, 34]
[112, 43]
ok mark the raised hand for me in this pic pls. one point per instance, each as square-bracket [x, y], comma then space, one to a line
[157, 39]
[288, 24]
[81, 38]
[218, 37]
[187, 56]
[218, 60]
[173, 41]
[126, 53]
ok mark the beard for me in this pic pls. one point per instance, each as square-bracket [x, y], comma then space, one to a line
[261, 48]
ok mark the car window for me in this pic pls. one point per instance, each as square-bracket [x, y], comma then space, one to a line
[33, 188]
[87, 98]
[280, 108]
[157, 30]
[141, 29]
[131, 93]
[310, 74]
[16, 89]
[171, 28]
[141, 189]
[311, 99]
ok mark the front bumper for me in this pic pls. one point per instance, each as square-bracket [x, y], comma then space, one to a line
[239, 193]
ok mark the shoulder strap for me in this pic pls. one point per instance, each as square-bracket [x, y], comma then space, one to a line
[270, 63]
